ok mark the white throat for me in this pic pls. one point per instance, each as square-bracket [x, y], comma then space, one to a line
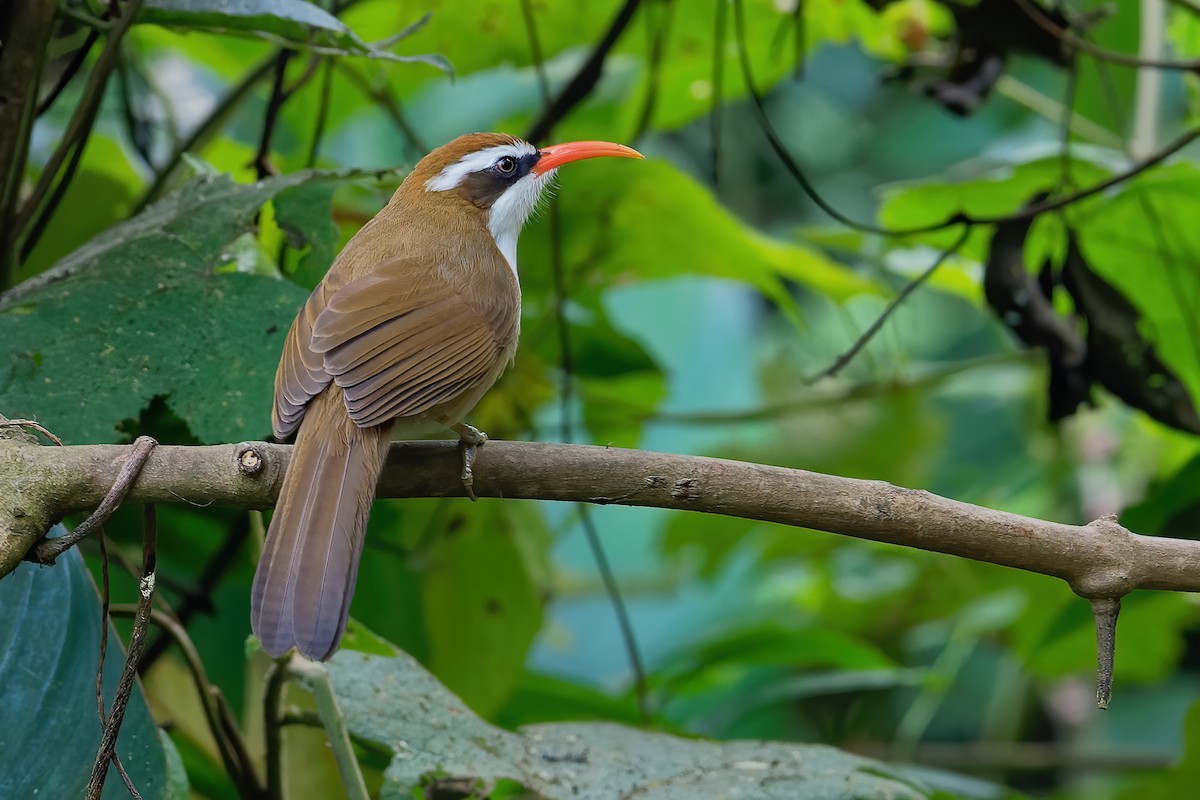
[512, 208]
[510, 211]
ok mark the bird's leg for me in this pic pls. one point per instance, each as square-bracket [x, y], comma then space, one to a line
[468, 439]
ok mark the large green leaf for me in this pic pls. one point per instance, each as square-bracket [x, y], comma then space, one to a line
[1181, 779]
[990, 190]
[144, 310]
[49, 725]
[1140, 239]
[649, 221]
[438, 743]
[296, 22]
[482, 598]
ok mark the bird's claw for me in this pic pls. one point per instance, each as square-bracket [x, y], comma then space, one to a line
[469, 439]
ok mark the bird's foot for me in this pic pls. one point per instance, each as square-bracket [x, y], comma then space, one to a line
[469, 439]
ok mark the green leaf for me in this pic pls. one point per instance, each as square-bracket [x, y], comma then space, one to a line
[1170, 508]
[775, 645]
[482, 598]
[1143, 242]
[178, 787]
[305, 213]
[1184, 32]
[1180, 780]
[606, 238]
[49, 727]
[439, 744]
[1061, 640]
[994, 191]
[601, 351]
[361, 639]
[295, 22]
[143, 311]
[544, 698]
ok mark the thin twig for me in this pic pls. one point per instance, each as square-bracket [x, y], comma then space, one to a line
[1066, 178]
[108, 742]
[29, 423]
[315, 676]
[76, 133]
[816, 400]
[535, 50]
[910, 287]
[262, 158]
[1154, 222]
[959, 218]
[199, 598]
[274, 681]
[64, 78]
[1069, 38]
[133, 111]
[38, 227]
[314, 147]
[28, 35]
[585, 79]
[47, 550]
[658, 47]
[1188, 5]
[386, 99]
[1046, 106]
[101, 712]
[566, 390]
[206, 129]
[231, 746]
[717, 108]
[624, 623]
[83, 18]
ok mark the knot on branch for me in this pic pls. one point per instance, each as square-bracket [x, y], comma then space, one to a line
[249, 458]
[1109, 571]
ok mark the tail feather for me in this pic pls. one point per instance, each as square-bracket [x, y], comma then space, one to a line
[305, 578]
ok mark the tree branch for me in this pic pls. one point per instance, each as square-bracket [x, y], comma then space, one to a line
[39, 485]
[586, 78]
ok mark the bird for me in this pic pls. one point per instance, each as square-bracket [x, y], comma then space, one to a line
[416, 318]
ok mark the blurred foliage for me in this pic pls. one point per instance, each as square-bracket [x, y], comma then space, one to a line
[701, 290]
[52, 645]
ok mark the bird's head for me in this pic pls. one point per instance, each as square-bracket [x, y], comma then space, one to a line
[501, 177]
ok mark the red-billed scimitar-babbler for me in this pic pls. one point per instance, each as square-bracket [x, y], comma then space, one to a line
[413, 323]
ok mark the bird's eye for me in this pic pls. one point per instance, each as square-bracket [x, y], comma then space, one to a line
[506, 165]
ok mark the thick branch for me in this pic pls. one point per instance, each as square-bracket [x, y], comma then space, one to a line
[38, 485]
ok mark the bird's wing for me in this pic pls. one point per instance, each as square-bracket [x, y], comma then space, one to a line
[403, 340]
[301, 374]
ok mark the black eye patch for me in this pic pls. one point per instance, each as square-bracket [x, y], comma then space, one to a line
[484, 188]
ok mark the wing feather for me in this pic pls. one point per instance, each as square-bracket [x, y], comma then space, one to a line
[401, 341]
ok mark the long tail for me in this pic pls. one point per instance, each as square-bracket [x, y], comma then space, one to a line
[306, 575]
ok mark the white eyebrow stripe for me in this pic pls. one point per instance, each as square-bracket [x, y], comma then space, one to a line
[453, 175]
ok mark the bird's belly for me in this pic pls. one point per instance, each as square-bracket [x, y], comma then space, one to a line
[452, 411]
